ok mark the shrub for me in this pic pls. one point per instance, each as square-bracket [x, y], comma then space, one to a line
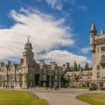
[73, 86]
[93, 87]
[102, 88]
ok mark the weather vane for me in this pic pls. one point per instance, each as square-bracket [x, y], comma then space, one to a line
[28, 38]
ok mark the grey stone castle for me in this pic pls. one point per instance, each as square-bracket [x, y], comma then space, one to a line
[28, 73]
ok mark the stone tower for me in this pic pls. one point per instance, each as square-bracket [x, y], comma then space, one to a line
[97, 44]
[93, 33]
[28, 66]
[28, 55]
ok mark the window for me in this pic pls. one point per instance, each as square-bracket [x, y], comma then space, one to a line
[12, 77]
[97, 50]
[103, 78]
[103, 58]
[98, 67]
[102, 49]
[100, 41]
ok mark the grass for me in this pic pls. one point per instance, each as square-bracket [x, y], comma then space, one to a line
[93, 99]
[19, 98]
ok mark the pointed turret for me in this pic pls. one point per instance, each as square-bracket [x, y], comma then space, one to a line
[93, 29]
[93, 32]
[102, 31]
[28, 55]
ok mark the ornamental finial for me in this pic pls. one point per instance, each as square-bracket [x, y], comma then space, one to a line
[28, 38]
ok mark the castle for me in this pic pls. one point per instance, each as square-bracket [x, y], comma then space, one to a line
[97, 74]
[97, 44]
[28, 73]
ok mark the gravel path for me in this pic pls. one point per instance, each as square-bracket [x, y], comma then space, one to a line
[61, 97]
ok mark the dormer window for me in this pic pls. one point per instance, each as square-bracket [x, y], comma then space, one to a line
[98, 67]
[103, 61]
[102, 49]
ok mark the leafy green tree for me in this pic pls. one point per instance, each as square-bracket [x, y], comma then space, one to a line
[86, 67]
[67, 78]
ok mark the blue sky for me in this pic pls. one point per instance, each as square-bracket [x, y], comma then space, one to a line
[67, 23]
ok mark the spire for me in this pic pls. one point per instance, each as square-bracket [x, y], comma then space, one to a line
[93, 28]
[102, 31]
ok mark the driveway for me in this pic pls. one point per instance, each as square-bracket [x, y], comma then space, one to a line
[61, 97]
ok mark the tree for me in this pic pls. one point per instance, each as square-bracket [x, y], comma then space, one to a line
[86, 67]
[75, 67]
[72, 68]
[79, 67]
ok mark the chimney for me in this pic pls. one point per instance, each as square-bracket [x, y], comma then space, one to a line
[68, 64]
[52, 63]
[41, 62]
[9, 62]
[1, 64]
[64, 67]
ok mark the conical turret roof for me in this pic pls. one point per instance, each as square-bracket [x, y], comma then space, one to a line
[93, 28]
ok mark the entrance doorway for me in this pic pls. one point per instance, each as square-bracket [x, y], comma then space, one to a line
[52, 81]
[37, 80]
[48, 81]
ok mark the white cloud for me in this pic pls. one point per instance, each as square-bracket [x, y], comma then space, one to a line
[77, 5]
[85, 50]
[55, 4]
[46, 32]
[59, 4]
[62, 57]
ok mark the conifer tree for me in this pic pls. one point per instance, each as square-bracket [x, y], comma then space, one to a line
[86, 67]
[72, 68]
[79, 67]
[75, 67]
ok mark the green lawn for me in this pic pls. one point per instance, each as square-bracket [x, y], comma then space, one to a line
[93, 99]
[19, 98]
